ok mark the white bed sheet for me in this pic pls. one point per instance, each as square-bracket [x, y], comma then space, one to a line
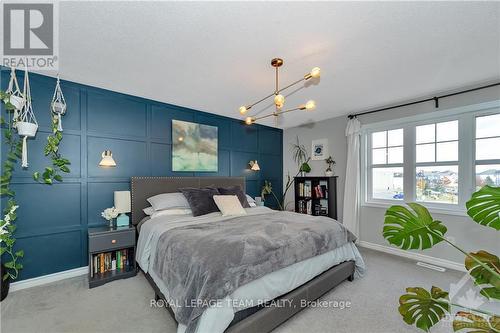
[217, 319]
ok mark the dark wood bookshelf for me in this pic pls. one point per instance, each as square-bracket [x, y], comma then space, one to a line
[316, 196]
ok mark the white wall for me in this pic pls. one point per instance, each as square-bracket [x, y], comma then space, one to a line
[466, 233]
[332, 129]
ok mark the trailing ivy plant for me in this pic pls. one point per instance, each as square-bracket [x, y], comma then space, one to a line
[59, 164]
[7, 226]
[416, 229]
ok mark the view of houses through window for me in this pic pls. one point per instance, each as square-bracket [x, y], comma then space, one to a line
[438, 170]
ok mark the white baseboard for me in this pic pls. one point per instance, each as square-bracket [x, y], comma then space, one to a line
[414, 256]
[41, 280]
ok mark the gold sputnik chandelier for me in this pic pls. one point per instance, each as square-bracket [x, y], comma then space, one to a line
[279, 99]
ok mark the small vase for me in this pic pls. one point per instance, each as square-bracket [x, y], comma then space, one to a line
[112, 223]
[328, 173]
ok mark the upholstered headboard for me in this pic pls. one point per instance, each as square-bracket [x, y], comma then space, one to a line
[145, 187]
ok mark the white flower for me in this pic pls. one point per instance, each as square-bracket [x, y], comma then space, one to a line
[109, 213]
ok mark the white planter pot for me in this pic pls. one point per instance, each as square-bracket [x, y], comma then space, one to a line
[17, 101]
[25, 128]
[328, 173]
[58, 107]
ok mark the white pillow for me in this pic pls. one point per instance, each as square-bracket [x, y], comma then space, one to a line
[251, 201]
[148, 211]
[175, 211]
[229, 205]
[168, 201]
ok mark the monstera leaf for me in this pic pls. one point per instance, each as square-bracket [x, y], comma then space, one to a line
[476, 324]
[483, 276]
[422, 308]
[409, 230]
[484, 207]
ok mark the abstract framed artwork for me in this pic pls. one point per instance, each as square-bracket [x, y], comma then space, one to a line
[319, 149]
[194, 147]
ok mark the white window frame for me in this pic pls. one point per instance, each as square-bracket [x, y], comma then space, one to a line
[481, 162]
[466, 155]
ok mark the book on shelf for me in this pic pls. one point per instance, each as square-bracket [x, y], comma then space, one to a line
[111, 261]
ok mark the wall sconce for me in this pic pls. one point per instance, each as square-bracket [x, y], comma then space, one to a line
[107, 159]
[254, 166]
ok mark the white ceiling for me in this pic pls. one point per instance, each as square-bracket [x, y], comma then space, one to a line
[215, 56]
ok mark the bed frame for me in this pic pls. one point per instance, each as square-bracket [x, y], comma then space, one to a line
[256, 319]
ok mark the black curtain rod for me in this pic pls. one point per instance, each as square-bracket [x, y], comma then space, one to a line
[435, 99]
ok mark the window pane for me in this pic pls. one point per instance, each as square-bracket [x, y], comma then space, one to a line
[488, 126]
[395, 155]
[447, 151]
[387, 183]
[488, 149]
[447, 131]
[425, 133]
[437, 184]
[487, 175]
[395, 137]
[425, 153]
[379, 139]
[378, 156]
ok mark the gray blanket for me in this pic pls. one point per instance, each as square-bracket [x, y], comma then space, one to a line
[206, 262]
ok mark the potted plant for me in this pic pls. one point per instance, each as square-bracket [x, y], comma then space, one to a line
[416, 229]
[329, 170]
[301, 157]
[10, 258]
[9, 270]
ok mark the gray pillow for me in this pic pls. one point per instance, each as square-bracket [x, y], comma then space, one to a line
[201, 200]
[168, 201]
[235, 190]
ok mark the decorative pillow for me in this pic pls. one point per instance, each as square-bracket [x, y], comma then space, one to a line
[149, 211]
[229, 205]
[251, 201]
[201, 200]
[235, 190]
[175, 211]
[168, 201]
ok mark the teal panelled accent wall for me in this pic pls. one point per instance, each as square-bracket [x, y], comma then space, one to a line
[53, 220]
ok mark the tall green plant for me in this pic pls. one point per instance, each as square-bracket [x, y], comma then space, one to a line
[7, 226]
[416, 229]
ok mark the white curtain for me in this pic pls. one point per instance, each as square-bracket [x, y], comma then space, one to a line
[352, 177]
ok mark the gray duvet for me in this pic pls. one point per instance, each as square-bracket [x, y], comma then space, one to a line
[206, 262]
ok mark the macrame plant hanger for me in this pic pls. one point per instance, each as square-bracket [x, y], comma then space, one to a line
[58, 104]
[16, 96]
[27, 124]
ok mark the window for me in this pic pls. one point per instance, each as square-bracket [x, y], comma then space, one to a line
[436, 159]
[437, 162]
[387, 164]
[487, 150]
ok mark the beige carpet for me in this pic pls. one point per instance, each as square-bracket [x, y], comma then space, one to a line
[124, 306]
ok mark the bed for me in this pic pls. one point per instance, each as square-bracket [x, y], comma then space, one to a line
[257, 304]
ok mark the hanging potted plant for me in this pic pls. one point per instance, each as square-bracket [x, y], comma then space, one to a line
[26, 124]
[329, 170]
[14, 95]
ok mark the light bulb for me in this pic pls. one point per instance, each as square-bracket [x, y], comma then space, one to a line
[249, 120]
[315, 72]
[310, 105]
[279, 101]
[243, 110]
